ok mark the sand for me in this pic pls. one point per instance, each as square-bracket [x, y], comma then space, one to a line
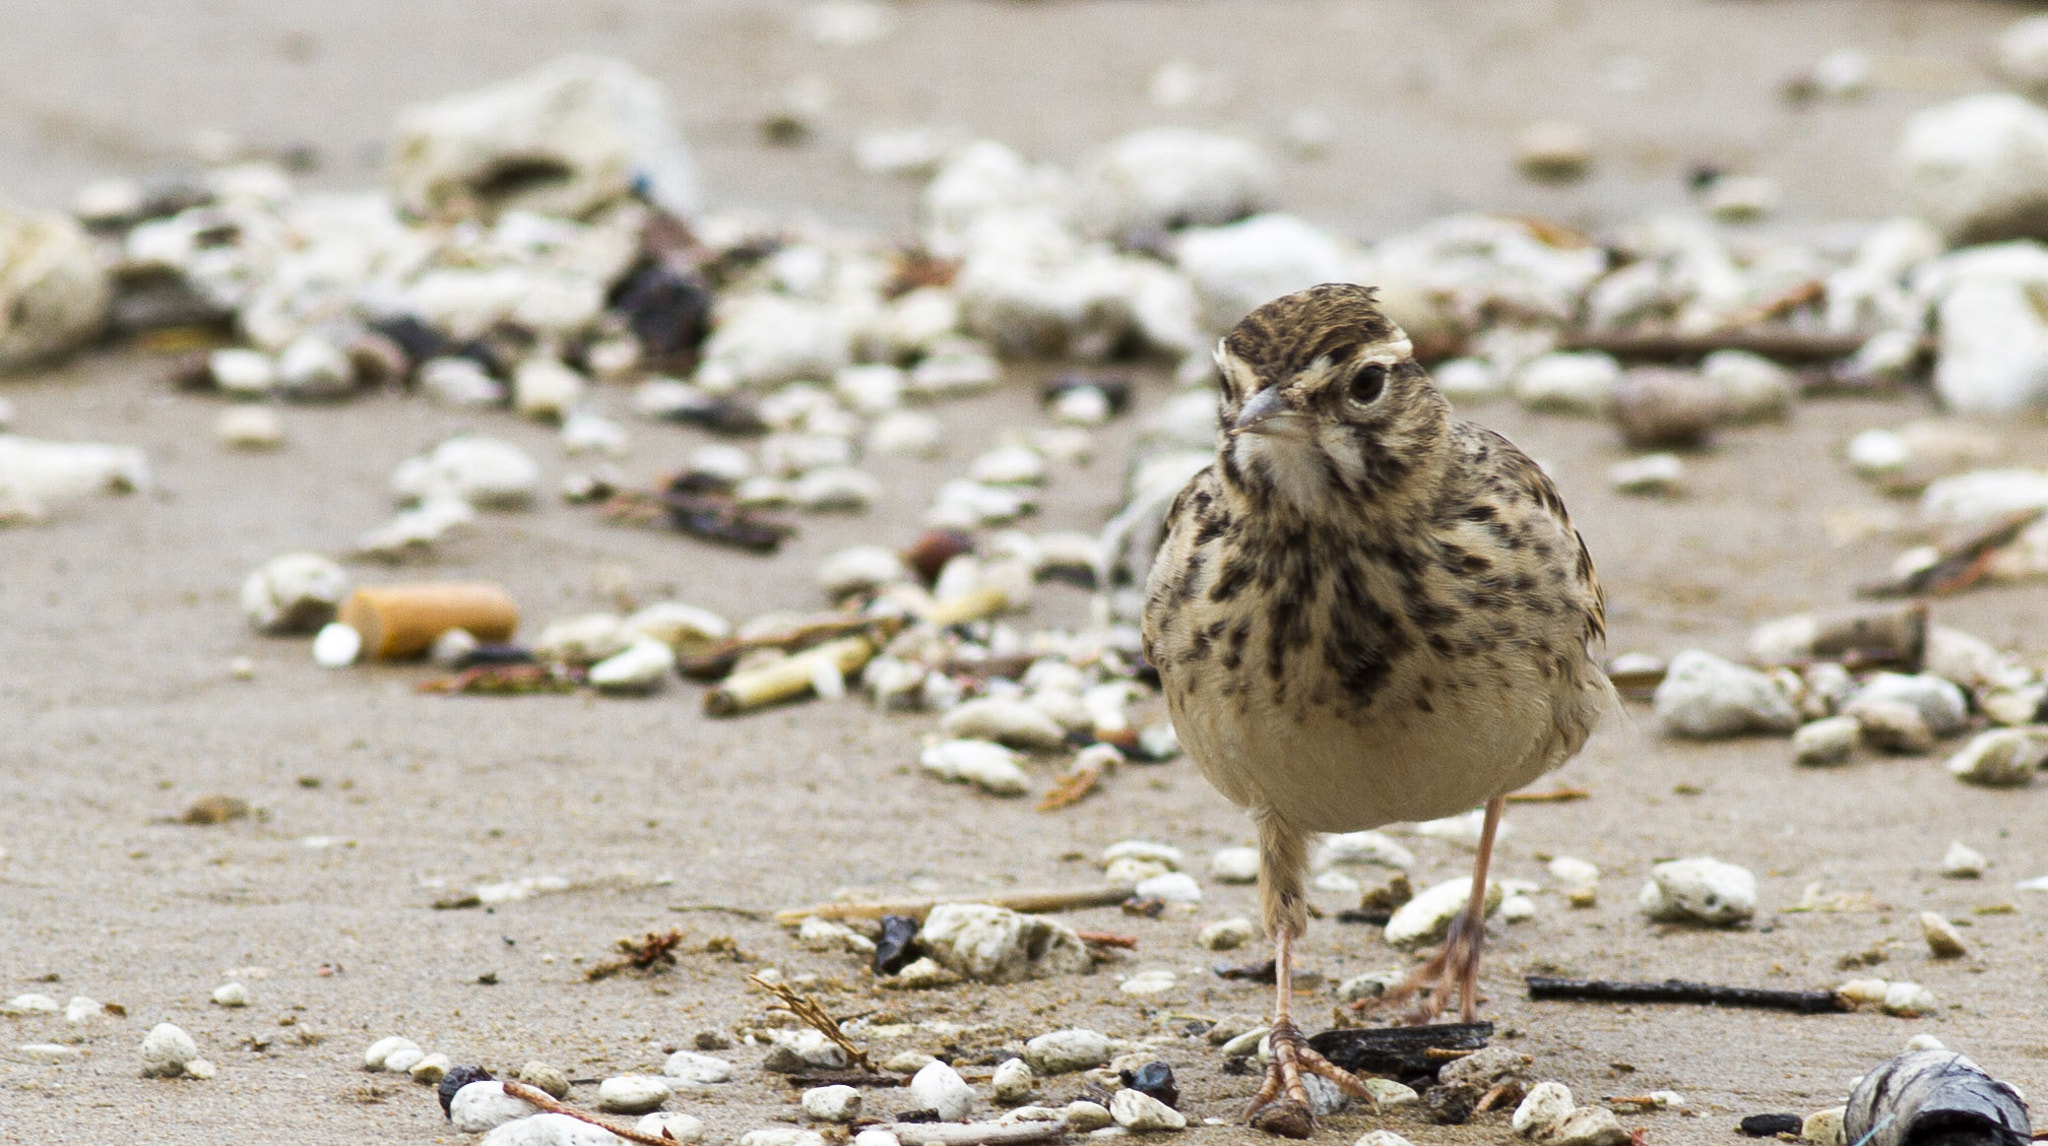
[120, 619]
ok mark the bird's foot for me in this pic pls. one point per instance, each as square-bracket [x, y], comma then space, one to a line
[1452, 971]
[1282, 1106]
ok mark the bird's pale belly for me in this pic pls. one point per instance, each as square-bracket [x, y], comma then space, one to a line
[1326, 768]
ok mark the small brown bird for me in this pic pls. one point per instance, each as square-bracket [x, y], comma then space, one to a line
[1365, 611]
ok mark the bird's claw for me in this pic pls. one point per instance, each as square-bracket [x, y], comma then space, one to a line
[1282, 1106]
[1453, 970]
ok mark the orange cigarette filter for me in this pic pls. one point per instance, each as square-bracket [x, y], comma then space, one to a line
[399, 621]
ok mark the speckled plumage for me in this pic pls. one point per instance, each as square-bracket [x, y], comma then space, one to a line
[1365, 611]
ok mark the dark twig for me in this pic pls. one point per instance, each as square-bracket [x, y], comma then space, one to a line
[1682, 991]
[808, 1012]
[548, 1105]
[658, 949]
[1961, 563]
[1109, 939]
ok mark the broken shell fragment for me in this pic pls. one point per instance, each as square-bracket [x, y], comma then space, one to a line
[2001, 758]
[986, 765]
[1011, 722]
[1934, 1095]
[1943, 940]
[294, 593]
[1700, 890]
[790, 677]
[397, 621]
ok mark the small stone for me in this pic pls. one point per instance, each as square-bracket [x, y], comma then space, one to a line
[1943, 940]
[1235, 866]
[1652, 475]
[1012, 1081]
[986, 765]
[640, 669]
[1252, 1041]
[242, 372]
[1010, 722]
[2002, 757]
[939, 1087]
[907, 1062]
[545, 389]
[674, 1124]
[1962, 861]
[1370, 985]
[1908, 1000]
[1543, 1109]
[1450, 1105]
[403, 1059]
[166, 1050]
[201, 1069]
[1083, 1117]
[1486, 1067]
[1139, 1112]
[1554, 151]
[920, 974]
[633, 1093]
[1940, 702]
[1517, 909]
[1384, 1137]
[549, 1130]
[80, 1009]
[313, 368]
[1705, 697]
[294, 593]
[1825, 743]
[1375, 848]
[1008, 465]
[1427, 917]
[1390, 1095]
[1863, 992]
[832, 1103]
[1892, 726]
[1923, 1042]
[1699, 890]
[460, 382]
[29, 1004]
[249, 428]
[431, 1069]
[1573, 872]
[231, 995]
[796, 1051]
[1156, 981]
[1742, 198]
[551, 1081]
[1227, 934]
[1062, 1052]
[1588, 1126]
[484, 1106]
[1580, 383]
[1172, 887]
[1771, 1125]
[374, 1056]
[1823, 1127]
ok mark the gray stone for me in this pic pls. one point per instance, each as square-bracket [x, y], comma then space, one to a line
[1705, 697]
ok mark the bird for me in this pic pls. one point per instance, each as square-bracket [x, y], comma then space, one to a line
[1365, 611]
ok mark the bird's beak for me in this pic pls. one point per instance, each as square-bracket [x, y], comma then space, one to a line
[1267, 413]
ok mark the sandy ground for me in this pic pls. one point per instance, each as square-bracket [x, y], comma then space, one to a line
[120, 621]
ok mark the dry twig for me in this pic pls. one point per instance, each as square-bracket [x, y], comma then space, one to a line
[1553, 796]
[658, 949]
[548, 1105]
[808, 1012]
[1029, 902]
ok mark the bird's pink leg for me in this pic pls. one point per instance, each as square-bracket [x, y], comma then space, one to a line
[1281, 1106]
[1455, 968]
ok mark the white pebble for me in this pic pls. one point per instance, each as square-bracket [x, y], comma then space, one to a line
[1652, 475]
[832, 1103]
[1008, 465]
[1699, 890]
[403, 1059]
[1573, 872]
[1705, 697]
[483, 1106]
[231, 995]
[1588, 1126]
[1553, 150]
[1542, 1109]
[1173, 887]
[1427, 917]
[1083, 1117]
[1383, 1137]
[1908, 1000]
[1062, 1052]
[702, 1069]
[1368, 847]
[1391, 1095]
[377, 1052]
[939, 1087]
[640, 669]
[840, 488]
[633, 1093]
[549, 1130]
[165, 1051]
[984, 764]
[1827, 742]
[682, 1127]
[546, 389]
[1011, 722]
[460, 382]
[1943, 940]
[249, 428]
[313, 367]
[241, 372]
[294, 593]
[1140, 1112]
[1080, 406]
[906, 434]
[1235, 865]
[1568, 383]
[1940, 702]
[996, 945]
[81, 1009]
[1962, 861]
[431, 1069]
[1517, 909]
[2001, 757]
[1156, 981]
[1227, 934]
[587, 433]
[1012, 1081]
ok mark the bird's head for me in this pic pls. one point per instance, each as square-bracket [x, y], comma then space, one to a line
[1323, 403]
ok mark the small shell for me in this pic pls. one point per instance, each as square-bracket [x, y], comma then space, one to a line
[988, 766]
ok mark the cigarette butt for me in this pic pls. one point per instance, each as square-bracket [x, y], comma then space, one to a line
[789, 677]
[975, 606]
[403, 620]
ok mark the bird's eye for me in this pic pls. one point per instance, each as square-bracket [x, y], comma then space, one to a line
[1367, 383]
